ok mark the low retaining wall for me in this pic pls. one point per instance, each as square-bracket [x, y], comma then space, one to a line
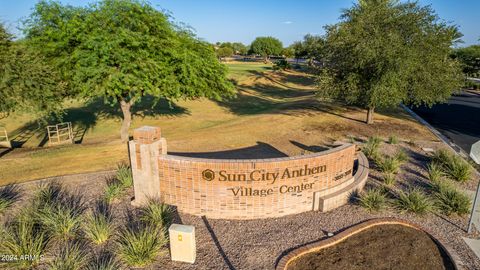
[247, 188]
[326, 243]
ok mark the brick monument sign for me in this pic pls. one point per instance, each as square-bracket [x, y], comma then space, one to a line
[246, 188]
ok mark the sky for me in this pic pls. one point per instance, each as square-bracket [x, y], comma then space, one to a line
[242, 21]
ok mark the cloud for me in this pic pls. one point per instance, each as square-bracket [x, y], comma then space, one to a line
[287, 22]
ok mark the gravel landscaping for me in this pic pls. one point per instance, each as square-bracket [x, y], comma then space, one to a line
[258, 244]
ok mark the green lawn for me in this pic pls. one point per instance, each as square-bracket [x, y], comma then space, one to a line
[276, 110]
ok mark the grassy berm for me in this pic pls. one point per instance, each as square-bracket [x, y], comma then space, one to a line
[275, 113]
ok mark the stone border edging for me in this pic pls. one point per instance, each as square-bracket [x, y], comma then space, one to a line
[357, 228]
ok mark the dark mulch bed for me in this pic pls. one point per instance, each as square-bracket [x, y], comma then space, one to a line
[380, 247]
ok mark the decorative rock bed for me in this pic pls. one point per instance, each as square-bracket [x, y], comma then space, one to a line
[384, 243]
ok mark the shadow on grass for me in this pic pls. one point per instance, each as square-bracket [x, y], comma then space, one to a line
[85, 118]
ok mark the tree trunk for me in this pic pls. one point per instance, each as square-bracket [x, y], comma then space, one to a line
[370, 112]
[127, 119]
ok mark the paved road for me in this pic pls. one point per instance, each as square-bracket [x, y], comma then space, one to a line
[459, 119]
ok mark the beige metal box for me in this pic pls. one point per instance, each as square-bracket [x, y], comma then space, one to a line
[182, 243]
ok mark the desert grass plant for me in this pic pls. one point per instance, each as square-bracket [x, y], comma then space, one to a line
[139, 246]
[453, 166]
[401, 156]
[113, 190]
[373, 200]
[22, 236]
[371, 147]
[388, 164]
[9, 194]
[414, 201]
[105, 260]
[389, 179]
[72, 255]
[124, 175]
[63, 217]
[47, 194]
[450, 200]
[156, 214]
[393, 139]
[99, 227]
[434, 172]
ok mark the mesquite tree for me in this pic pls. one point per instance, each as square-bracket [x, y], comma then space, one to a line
[384, 52]
[123, 50]
[27, 82]
[266, 46]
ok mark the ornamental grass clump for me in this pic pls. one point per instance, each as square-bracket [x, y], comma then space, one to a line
[452, 165]
[156, 214]
[449, 200]
[393, 139]
[434, 172]
[388, 164]
[113, 190]
[124, 175]
[414, 201]
[99, 227]
[389, 179]
[453, 201]
[71, 255]
[61, 215]
[105, 260]
[9, 194]
[373, 200]
[140, 246]
[371, 147]
[401, 156]
[23, 236]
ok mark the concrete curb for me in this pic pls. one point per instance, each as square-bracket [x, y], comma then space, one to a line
[457, 149]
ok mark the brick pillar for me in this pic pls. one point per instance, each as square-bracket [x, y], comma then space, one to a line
[145, 148]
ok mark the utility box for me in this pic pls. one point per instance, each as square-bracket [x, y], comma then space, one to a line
[182, 243]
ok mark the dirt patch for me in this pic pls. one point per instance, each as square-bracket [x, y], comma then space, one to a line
[381, 247]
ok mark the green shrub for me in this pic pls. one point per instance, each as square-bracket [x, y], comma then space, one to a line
[71, 256]
[435, 172]
[113, 190]
[156, 214]
[99, 226]
[124, 175]
[450, 200]
[414, 201]
[23, 236]
[104, 261]
[62, 218]
[370, 148]
[373, 200]
[401, 156]
[48, 194]
[388, 165]
[9, 194]
[139, 247]
[282, 64]
[459, 170]
[389, 179]
[453, 166]
[393, 139]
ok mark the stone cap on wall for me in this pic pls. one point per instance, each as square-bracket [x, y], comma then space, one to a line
[216, 160]
[147, 134]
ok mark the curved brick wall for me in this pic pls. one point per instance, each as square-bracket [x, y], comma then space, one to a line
[242, 189]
